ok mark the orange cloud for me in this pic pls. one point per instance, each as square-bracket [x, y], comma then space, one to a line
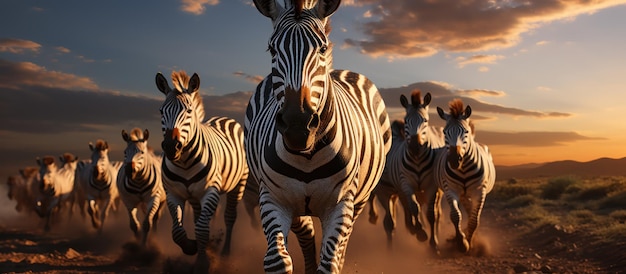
[255, 79]
[18, 45]
[197, 6]
[26, 74]
[419, 28]
[478, 59]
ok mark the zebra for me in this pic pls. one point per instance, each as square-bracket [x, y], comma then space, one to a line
[202, 161]
[98, 179]
[464, 171]
[55, 186]
[410, 164]
[20, 189]
[316, 138]
[139, 182]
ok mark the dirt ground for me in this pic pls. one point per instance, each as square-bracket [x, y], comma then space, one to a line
[74, 247]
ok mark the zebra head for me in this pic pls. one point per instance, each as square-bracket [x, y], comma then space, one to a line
[416, 118]
[100, 160]
[136, 148]
[68, 161]
[47, 174]
[301, 62]
[458, 132]
[181, 111]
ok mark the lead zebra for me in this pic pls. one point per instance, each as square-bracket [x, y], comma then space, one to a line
[464, 171]
[203, 160]
[316, 137]
[139, 183]
[410, 167]
[98, 183]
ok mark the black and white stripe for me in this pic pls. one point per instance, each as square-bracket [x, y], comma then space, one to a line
[98, 179]
[464, 171]
[202, 161]
[139, 183]
[316, 137]
[410, 165]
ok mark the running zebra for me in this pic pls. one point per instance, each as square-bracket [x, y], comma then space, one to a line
[139, 183]
[20, 189]
[316, 137]
[464, 171]
[98, 179]
[55, 186]
[203, 160]
[410, 164]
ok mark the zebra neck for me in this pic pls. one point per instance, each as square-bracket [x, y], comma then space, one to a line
[197, 147]
[472, 153]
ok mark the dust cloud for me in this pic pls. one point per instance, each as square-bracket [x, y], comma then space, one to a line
[367, 251]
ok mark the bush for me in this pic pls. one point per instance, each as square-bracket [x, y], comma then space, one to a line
[618, 200]
[509, 191]
[619, 216]
[521, 201]
[557, 186]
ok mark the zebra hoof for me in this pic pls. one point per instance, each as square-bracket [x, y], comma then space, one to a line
[190, 248]
[463, 245]
[373, 219]
[421, 235]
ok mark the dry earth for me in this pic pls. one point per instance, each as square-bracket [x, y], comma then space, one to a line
[73, 247]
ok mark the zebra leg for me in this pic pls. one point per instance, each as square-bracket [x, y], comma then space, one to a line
[389, 222]
[456, 217]
[251, 201]
[434, 214]
[176, 206]
[108, 202]
[373, 214]
[337, 227]
[305, 232]
[230, 215]
[276, 223]
[412, 205]
[148, 222]
[474, 216]
[92, 209]
[157, 216]
[134, 222]
[202, 227]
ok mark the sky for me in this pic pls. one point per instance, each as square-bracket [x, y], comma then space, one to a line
[545, 78]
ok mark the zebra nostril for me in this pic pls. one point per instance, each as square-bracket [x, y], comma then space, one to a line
[179, 145]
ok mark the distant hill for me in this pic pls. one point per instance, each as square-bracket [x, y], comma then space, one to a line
[598, 167]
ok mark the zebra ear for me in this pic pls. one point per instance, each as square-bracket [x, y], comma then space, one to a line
[125, 135]
[39, 162]
[194, 83]
[91, 146]
[467, 112]
[267, 8]
[441, 113]
[427, 99]
[146, 134]
[404, 101]
[326, 8]
[162, 84]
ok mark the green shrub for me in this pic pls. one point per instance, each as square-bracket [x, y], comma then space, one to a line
[509, 191]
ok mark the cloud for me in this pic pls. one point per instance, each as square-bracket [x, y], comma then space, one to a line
[22, 75]
[255, 79]
[197, 6]
[62, 49]
[18, 46]
[443, 92]
[478, 59]
[420, 28]
[531, 138]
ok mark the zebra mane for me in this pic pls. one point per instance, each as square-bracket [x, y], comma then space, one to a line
[101, 145]
[136, 135]
[456, 108]
[68, 157]
[180, 80]
[29, 171]
[47, 160]
[416, 97]
[397, 128]
[181, 83]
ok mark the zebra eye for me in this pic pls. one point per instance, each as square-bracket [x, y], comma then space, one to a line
[189, 110]
[323, 49]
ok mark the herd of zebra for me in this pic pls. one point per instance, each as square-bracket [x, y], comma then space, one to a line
[316, 142]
